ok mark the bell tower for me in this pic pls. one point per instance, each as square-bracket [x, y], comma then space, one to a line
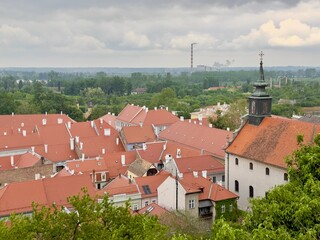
[260, 101]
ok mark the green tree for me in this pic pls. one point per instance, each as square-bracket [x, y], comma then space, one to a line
[88, 220]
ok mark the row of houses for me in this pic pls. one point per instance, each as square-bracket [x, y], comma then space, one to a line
[151, 158]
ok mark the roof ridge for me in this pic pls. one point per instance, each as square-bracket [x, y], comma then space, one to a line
[141, 108]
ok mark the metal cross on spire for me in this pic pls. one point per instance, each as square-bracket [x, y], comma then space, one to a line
[261, 54]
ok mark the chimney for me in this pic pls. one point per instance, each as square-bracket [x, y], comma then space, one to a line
[81, 145]
[155, 108]
[140, 123]
[164, 146]
[109, 113]
[180, 175]
[218, 104]
[107, 131]
[82, 157]
[101, 121]
[210, 125]
[178, 153]
[69, 125]
[195, 174]
[77, 139]
[71, 144]
[5, 133]
[61, 113]
[103, 151]
[190, 120]
[37, 176]
[24, 133]
[113, 114]
[167, 109]
[204, 173]
[117, 141]
[123, 160]
[92, 123]
[46, 113]
[181, 118]
[228, 129]
[32, 150]
[147, 110]
[200, 117]
[60, 120]
[46, 148]
[12, 160]
[44, 121]
[144, 146]
[12, 113]
[110, 122]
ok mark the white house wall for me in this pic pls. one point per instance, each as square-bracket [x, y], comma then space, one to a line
[256, 178]
[167, 195]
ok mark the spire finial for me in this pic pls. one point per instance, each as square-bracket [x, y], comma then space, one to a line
[261, 54]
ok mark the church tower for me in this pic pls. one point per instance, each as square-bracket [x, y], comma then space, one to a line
[259, 101]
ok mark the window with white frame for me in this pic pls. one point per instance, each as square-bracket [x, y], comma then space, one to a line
[192, 203]
[223, 208]
[135, 207]
[230, 207]
[146, 203]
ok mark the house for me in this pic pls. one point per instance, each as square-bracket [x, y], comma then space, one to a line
[255, 159]
[141, 168]
[196, 195]
[18, 197]
[133, 115]
[135, 136]
[212, 168]
[205, 139]
[158, 153]
[153, 210]
[110, 118]
[210, 111]
[148, 187]
[122, 189]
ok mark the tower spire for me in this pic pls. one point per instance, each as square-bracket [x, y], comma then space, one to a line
[261, 54]
[259, 101]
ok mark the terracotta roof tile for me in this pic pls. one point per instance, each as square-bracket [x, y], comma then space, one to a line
[137, 134]
[155, 117]
[128, 113]
[153, 209]
[120, 185]
[110, 119]
[139, 167]
[199, 163]
[209, 140]
[18, 197]
[271, 141]
[153, 182]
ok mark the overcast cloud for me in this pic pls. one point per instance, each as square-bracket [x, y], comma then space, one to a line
[148, 33]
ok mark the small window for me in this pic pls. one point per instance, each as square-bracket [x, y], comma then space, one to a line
[135, 207]
[223, 178]
[223, 208]
[285, 176]
[214, 179]
[251, 166]
[236, 186]
[230, 207]
[146, 203]
[251, 191]
[154, 201]
[237, 161]
[192, 203]
[267, 171]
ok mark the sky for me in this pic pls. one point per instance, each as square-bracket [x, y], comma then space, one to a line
[149, 33]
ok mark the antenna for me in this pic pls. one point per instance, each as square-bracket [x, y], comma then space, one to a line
[192, 54]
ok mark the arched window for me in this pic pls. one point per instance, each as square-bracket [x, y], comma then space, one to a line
[251, 192]
[236, 186]
[237, 161]
[267, 171]
[251, 166]
[285, 176]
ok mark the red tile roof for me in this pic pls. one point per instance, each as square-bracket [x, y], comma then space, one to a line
[19, 121]
[20, 161]
[209, 140]
[199, 163]
[156, 151]
[137, 134]
[120, 185]
[110, 119]
[18, 197]
[206, 188]
[153, 182]
[153, 209]
[271, 141]
[129, 112]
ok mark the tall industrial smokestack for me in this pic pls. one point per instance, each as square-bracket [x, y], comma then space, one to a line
[192, 54]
